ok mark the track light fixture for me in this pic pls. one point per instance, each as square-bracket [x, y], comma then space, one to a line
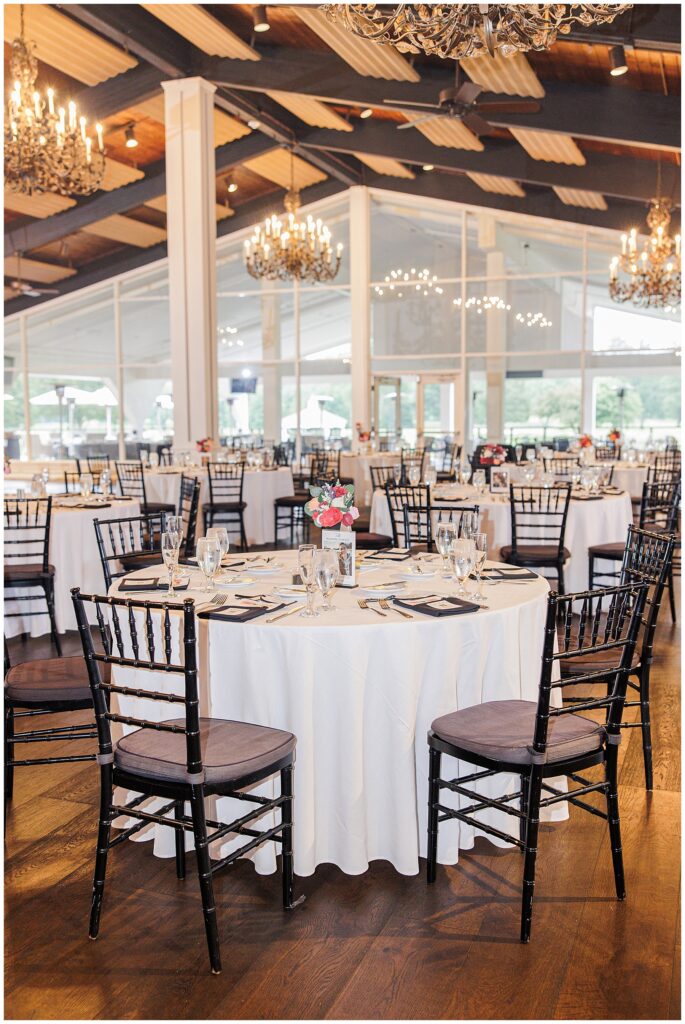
[617, 58]
[131, 140]
[259, 17]
[366, 113]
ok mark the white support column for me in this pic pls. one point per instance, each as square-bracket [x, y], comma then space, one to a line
[191, 229]
[360, 279]
[495, 341]
[25, 390]
[271, 345]
[119, 355]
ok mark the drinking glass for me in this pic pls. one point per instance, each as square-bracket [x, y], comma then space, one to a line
[479, 480]
[327, 573]
[430, 477]
[220, 534]
[461, 560]
[575, 477]
[105, 482]
[170, 556]
[174, 524]
[519, 452]
[464, 473]
[480, 542]
[547, 480]
[305, 562]
[86, 481]
[530, 454]
[445, 536]
[37, 488]
[529, 473]
[469, 525]
[45, 475]
[414, 475]
[208, 558]
[153, 459]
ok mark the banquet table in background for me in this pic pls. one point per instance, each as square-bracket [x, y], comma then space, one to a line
[358, 468]
[74, 553]
[360, 692]
[261, 487]
[630, 476]
[602, 521]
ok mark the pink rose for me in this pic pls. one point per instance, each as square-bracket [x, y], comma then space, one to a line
[339, 491]
[331, 517]
[354, 512]
[347, 519]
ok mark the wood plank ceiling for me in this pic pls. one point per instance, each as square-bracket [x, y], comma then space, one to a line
[307, 83]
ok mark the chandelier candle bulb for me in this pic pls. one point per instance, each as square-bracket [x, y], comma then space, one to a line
[51, 102]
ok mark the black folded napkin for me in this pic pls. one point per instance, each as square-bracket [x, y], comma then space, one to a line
[437, 606]
[390, 555]
[144, 584]
[586, 497]
[240, 612]
[511, 574]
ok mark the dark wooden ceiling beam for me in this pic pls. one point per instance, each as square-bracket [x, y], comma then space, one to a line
[602, 112]
[27, 236]
[121, 92]
[624, 177]
[646, 26]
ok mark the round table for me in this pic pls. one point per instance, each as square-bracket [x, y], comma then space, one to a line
[261, 487]
[631, 476]
[589, 522]
[74, 553]
[359, 692]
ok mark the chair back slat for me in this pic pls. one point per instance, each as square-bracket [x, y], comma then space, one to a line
[380, 475]
[154, 614]
[562, 466]
[421, 522]
[225, 482]
[412, 458]
[126, 538]
[538, 515]
[648, 558]
[27, 531]
[659, 505]
[132, 480]
[398, 496]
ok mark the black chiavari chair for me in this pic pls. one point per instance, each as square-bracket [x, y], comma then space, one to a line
[226, 506]
[27, 559]
[398, 496]
[322, 467]
[131, 477]
[180, 759]
[412, 458]
[562, 466]
[421, 522]
[538, 528]
[72, 482]
[447, 463]
[336, 458]
[647, 558]
[51, 686]
[538, 740]
[607, 452]
[94, 464]
[188, 505]
[381, 475]
[130, 543]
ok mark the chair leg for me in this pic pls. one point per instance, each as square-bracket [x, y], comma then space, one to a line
[523, 807]
[614, 819]
[531, 849]
[50, 599]
[590, 571]
[104, 825]
[243, 535]
[275, 527]
[9, 767]
[671, 595]
[287, 847]
[646, 726]
[205, 876]
[180, 840]
[434, 759]
[560, 573]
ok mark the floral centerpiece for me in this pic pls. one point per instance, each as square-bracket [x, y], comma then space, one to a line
[493, 455]
[615, 435]
[205, 444]
[332, 505]
[585, 441]
[362, 434]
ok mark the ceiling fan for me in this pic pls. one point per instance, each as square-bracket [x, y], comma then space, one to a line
[461, 102]
[20, 287]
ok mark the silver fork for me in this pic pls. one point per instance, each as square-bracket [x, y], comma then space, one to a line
[391, 608]
[216, 602]
[362, 604]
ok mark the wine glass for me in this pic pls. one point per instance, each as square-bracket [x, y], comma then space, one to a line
[479, 480]
[37, 488]
[480, 542]
[461, 561]
[170, 556]
[445, 536]
[464, 473]
[105, 482]
[530, 454]
[414, 475]
[326, 569]
[220, 534]
[469, 525]
[86, 480]
[153, 460]
[45, 475]
[305, 562]
[430, 477]
[519, 452]
[208, 558]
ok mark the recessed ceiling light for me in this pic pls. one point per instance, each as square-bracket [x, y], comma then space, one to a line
[254, 124]
[366, 113]
[429, 167]
[617, 58]
[261, 22]
[131, 140]
[230, 184]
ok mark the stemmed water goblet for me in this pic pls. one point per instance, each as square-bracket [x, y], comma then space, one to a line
[469, 525]
[480, 543]
[170, 550]
[519, 452]
[327, 571]
[86, 481]
[478, 480]
[445, 536]
[105, 482]
[220, 534]
[461, 560]
[414, 475]
[305, 562]
[209, 559]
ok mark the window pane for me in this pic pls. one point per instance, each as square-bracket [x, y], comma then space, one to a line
[614, 327]
[539, 314]
[415, 323]
[520, 245]
[148, 405]
[15, 427]
[644, 407]
[408, 238]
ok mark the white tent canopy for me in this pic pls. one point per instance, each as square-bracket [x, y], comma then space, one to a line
[101, 396]
[314, 417]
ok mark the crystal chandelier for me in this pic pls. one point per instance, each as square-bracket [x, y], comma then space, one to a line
[47, 149]
[652, 278]
[469, 30]
[288, 249]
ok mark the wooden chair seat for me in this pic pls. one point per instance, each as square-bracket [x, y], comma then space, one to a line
[18, 575]
[152, 507]
[226, 506]
[533, 554]
[49, 681]
[366, 540]
[501, 731]
[613, 552]
[292, 500]
[231, 751]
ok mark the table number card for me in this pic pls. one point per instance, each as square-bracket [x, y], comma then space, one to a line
[344, 542]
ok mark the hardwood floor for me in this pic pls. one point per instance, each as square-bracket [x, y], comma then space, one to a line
[378, 945]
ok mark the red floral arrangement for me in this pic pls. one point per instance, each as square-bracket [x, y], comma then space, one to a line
[493, 455]
[205, 444]
[585, 441]
[362, 435]
[615, 435]
[332, 505]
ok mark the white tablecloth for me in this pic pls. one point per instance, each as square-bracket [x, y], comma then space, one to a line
[74, 553]
[357, 467]
[630, 477]
[360, 692]
[588, 523]
[260, 490]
